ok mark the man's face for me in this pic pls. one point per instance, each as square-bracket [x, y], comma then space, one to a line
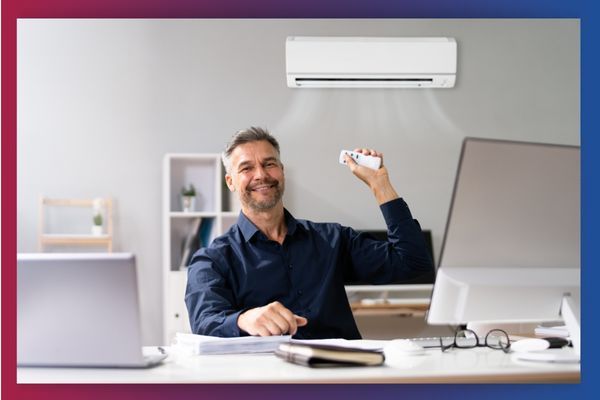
[257, 175]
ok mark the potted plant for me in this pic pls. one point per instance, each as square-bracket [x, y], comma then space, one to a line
[188, 198]
[97, 217]
[97, 227]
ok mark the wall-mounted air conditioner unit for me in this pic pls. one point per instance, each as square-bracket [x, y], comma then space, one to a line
[370, 62]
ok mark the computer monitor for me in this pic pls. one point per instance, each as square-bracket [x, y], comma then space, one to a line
[511, 250]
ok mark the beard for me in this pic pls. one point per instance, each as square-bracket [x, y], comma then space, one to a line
[265, 204]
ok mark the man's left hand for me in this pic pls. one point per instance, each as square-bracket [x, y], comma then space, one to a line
[378, 180]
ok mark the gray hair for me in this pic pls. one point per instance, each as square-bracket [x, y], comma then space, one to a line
[252, 134]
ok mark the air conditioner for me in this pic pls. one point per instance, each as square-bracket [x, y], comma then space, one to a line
[370, 62]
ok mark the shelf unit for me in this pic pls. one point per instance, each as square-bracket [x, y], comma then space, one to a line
[45, 239]
[389, 300]
[206, 173]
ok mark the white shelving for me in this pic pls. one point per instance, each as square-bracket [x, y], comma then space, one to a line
[205, 172]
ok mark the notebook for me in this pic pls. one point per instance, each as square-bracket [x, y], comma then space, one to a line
[323, 356]
[79, 310]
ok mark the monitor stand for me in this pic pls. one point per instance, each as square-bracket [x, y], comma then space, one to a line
[570, 312]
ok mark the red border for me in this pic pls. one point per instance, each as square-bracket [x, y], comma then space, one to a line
[9, 190]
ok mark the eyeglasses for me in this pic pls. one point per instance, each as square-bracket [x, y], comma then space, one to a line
[496, 339]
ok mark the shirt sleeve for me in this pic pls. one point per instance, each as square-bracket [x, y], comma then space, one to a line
[209, 299]
[403, 257]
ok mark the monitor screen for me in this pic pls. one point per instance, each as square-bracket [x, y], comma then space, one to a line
[511, 250]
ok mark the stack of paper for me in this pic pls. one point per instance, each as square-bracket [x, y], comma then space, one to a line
[199, 344]
[549, 331]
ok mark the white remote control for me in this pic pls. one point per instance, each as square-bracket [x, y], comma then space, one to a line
[361, 159]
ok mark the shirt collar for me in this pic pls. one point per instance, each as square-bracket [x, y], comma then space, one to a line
[248, 228]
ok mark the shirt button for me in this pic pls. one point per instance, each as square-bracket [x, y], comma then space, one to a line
[299, 292]
[290, 266]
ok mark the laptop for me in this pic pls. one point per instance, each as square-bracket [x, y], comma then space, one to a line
[79, 310]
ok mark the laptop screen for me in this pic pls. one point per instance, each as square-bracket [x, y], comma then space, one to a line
[77, 310]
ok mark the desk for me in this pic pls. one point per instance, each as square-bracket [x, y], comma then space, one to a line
[480, 365]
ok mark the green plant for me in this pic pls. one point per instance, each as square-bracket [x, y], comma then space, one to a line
[189, 191]
[98, 219]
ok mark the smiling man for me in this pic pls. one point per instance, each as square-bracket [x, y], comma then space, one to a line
[273, 274]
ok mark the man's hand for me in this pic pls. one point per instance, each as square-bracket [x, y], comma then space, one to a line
[377, 180]
[272, 319]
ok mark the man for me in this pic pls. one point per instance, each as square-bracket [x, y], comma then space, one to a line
[271, 274]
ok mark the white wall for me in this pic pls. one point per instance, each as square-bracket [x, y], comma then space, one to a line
[101, 101]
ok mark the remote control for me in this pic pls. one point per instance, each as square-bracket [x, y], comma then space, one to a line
[361, 159]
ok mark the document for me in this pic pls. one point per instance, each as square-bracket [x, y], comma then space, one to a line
[362, 344]
[200, 344]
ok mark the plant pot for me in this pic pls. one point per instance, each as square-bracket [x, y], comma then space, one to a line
[97, 230]
[188, 203]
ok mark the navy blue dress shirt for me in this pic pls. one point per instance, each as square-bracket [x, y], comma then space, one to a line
[243, 269]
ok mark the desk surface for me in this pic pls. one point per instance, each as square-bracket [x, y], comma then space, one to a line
[478, 365]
